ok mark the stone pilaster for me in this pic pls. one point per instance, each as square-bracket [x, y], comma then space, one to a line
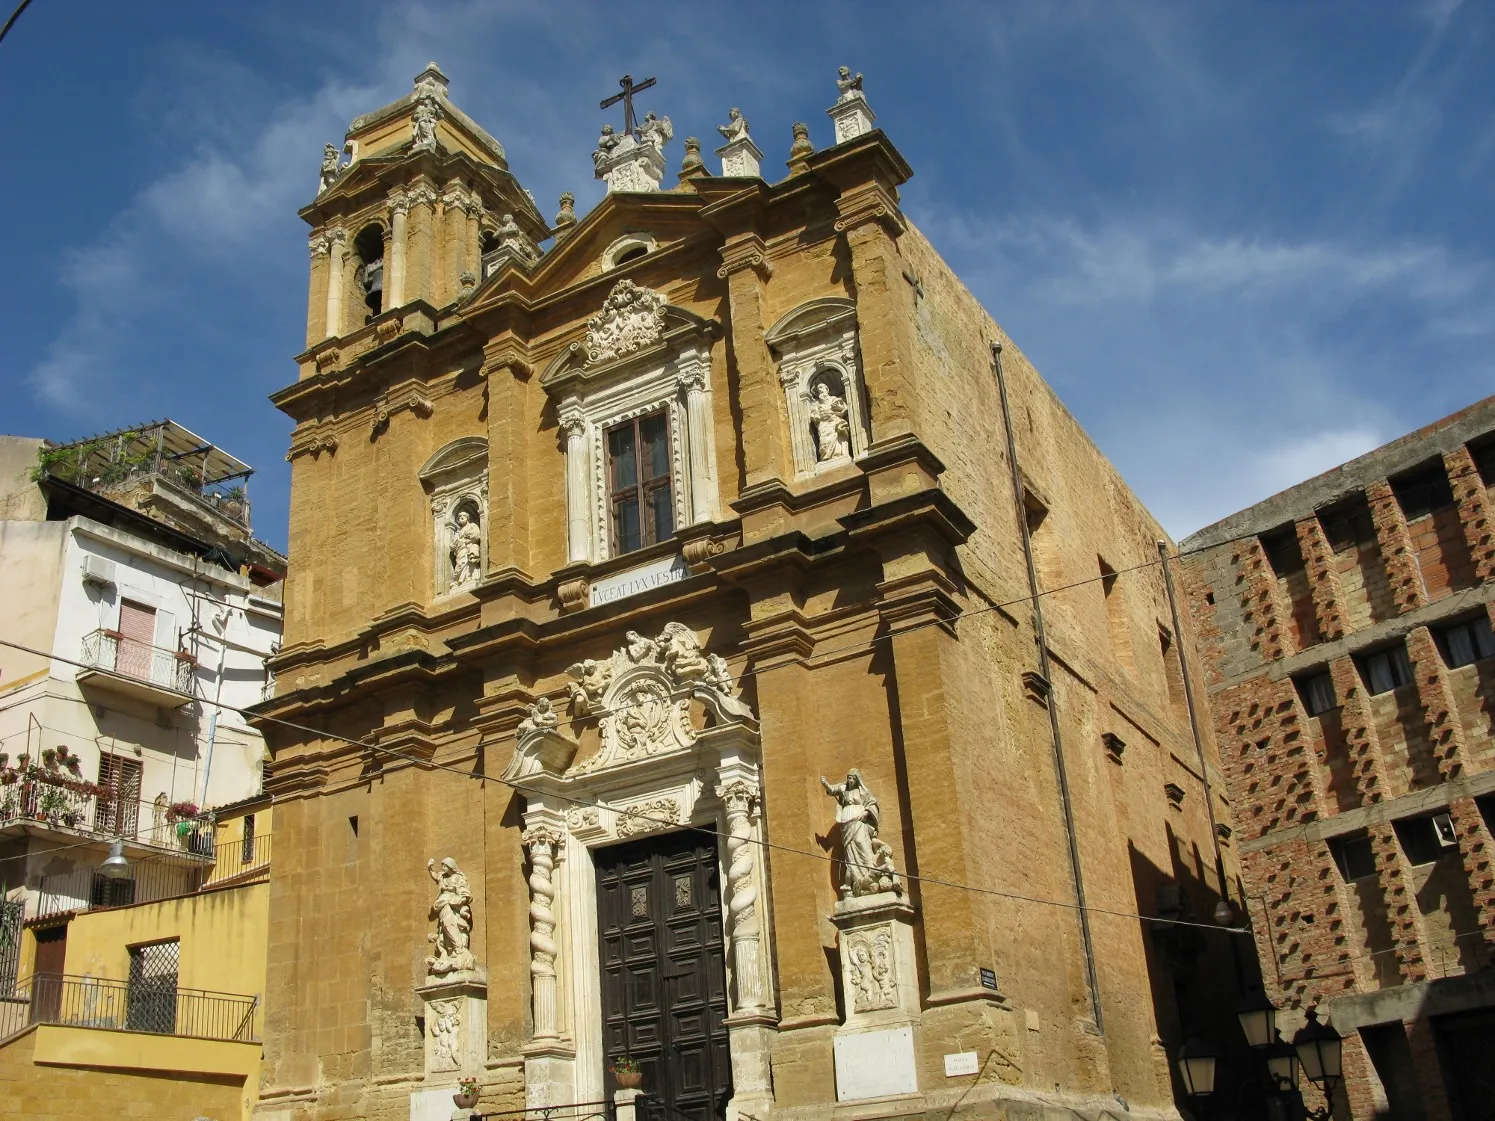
[1397, 552]
[870, 220]
[578, 515]
[698, 422]
[1323, 579]
[316, 301]
[337, 280]
[451, 251]
[509, 377]
[764, 445]
[421, 257]
[394, 276]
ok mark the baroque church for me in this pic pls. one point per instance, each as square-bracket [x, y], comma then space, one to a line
[665, 704]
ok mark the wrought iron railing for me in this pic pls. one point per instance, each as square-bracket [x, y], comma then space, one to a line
[154, 879]
[64, 802]
[130, 657]
[571, 1111]
[149, 1006]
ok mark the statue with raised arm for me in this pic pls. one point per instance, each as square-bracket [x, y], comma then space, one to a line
[736, 127]
[863, 869]
[453, 914]
[849, 84]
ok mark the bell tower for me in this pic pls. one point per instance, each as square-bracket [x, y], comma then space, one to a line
[402, 214]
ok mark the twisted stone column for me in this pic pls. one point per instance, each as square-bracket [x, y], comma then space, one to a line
[543, 843]
[740, 799]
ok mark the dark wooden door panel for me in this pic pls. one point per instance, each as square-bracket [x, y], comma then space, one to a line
[664, 1000]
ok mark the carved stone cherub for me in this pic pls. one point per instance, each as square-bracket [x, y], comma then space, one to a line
[605, 145]
[541, 715]
[655, 131]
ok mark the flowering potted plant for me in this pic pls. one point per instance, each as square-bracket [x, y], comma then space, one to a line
[467, 1093]
[626, 1073]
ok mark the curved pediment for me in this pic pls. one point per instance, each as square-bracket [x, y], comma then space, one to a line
[634, 325]
[459, 458]
[641, 696]
[808, 319]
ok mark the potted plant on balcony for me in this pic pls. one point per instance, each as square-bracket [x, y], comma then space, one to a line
[467, 1093]
[626, 1073]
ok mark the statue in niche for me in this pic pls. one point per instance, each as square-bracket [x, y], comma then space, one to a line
[830, 420]
[655, 131]
[736, 127]
[329, 166]
[541, 715]
[863, 869]
[452, 912]
[467, 549]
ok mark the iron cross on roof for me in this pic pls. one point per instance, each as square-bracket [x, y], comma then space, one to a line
[630, 121]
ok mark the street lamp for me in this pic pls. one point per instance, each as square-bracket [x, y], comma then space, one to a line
[1196, 1066]
[115, 866]
[1320, 1050]
[1282, 1064]
[1258, 1017]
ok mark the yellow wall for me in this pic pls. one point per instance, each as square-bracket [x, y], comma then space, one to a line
[51, 1073]
[222, 933]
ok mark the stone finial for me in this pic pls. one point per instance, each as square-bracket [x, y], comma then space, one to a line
[692, 162]
[431, 82]
[801, 150]
[740, 156]
[567, 216]
[851, 113]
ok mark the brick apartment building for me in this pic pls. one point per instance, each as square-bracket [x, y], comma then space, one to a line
[1346, 623]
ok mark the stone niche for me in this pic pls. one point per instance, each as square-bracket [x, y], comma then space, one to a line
[456, 481]
[820, 370]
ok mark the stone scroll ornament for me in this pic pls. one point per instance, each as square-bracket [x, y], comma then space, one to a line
[452, 912]
[866, 859]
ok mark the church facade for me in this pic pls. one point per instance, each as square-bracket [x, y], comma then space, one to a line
[662, 700]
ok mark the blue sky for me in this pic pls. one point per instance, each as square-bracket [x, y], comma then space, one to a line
[1244, 241]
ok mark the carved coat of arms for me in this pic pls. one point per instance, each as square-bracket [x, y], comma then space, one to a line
[631, 319]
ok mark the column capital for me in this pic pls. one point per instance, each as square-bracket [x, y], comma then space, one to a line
[399, 201]
[319, 245]
[421, 194]
[745, 251]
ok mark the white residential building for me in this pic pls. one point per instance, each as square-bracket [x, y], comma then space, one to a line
[127, 566]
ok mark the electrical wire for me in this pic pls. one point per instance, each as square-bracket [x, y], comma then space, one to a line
[581, 802]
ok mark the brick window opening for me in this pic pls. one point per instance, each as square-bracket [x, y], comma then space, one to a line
[1283, 553]
[1426, 839]
[1317, 693]
[1285, 557]
[1419, 493]
[1385, 670]
[638, 475]
[1483, 454]
[1354, 857]
[1466, 643]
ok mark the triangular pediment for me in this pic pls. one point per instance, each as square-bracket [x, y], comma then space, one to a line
[666, 218]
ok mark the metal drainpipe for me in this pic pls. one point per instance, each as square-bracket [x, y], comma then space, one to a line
[1043, 667]
[1183, 669]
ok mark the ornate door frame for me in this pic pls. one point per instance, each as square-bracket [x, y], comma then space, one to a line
[659, 767]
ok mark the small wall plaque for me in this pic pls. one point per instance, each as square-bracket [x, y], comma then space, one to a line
[989, 979]
[965, 1062]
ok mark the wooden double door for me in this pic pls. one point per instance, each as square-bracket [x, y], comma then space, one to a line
[664, 978]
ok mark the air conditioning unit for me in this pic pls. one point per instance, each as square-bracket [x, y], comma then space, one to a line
[98, 570]
[1443, 828]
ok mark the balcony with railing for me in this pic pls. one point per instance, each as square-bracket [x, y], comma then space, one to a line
[129, 666]
[140, 1006]
[53, 800]
[156, 878]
